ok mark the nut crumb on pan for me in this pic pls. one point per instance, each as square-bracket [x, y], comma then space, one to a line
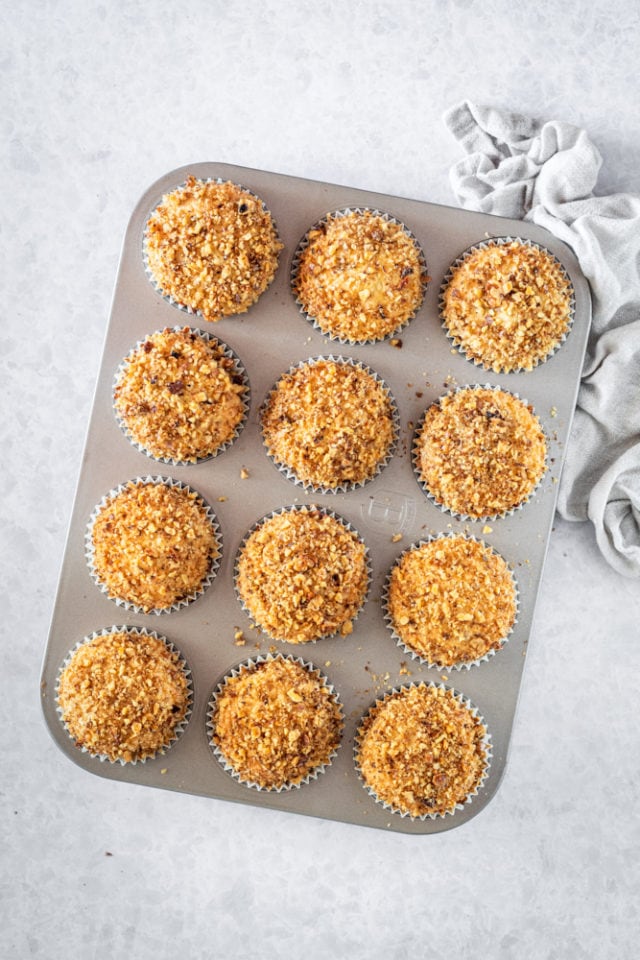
[276, 722]
[330, 422]
[302, 575]
[153, 544]
[451, 600]
[122, 695]
[507, 306]
[481, 451]
[212, 247]
[421, 751]
[361, 276]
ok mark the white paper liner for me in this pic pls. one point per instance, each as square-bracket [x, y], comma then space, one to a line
[414, 654]
[237, 370]
[211, 517]
[355, 484]
[486, 742]
[130, 631]
[247, 665]
[304, 243]
[301, 508]
[415, 459]
[496, 242]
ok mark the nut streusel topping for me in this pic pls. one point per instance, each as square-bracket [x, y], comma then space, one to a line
[153, 545]
[330, 423]
[276, 722]
[179, 396]
[212, 247]
[481, 452]
[302, 575]
[361, 276]
[421, 751]
[122, 695]
[451, 600]
[508, 306]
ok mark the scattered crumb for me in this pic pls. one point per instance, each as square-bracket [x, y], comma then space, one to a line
[221, 499]
[396, 342]
[487, 528]
[554, 411]
[396, 537]
[244, 474]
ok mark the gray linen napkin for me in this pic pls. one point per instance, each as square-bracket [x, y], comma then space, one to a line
[546, 172]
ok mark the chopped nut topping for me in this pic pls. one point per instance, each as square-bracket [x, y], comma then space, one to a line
[276, 722]
[153, 545]
[212, 247]
[451, 600]
[179, 396]
[507, 306]
[123, 695]
[360, 277]
[421, 751]
[331, 423]
[481, 452]
[302, 575]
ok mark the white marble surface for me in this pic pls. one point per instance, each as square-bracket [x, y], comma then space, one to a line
[98, 101]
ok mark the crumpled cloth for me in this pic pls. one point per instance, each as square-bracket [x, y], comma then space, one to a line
[546, 173]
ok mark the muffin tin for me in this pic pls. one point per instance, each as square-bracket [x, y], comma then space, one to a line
[242, 485]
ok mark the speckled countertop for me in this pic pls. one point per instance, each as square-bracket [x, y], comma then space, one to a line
[99, 100]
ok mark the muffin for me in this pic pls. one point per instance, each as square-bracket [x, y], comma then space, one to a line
[451, 600]
[360, 276]
[422, 751]
[275, 723]
[212, 247]
[330, 422]
[180, 396]
[124, 695]
[153, 545]
[302, 574]
[480, 452]
[507, 305]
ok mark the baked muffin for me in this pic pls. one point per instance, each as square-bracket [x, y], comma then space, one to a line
[275, 723]
[330, 422]
[480, 452]
[124, 695]
[180, 395]
[153, 545]
[507, 305]
[422, 751]
[451, 600]
[302, 574]
[360, 276]
[212, 247]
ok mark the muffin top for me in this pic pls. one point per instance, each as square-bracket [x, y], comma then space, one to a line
[422, 751]
[123, 694]
[331, 423]
[152, 545]
[360, 277]
[451, 600]
[480, 452]
[212, 247]
[276, 722]
[507, 306]
[302, 574]
[178, 395]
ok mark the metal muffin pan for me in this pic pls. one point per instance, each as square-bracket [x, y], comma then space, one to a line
[269, 339]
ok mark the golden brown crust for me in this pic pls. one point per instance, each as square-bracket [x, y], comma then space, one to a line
[451, 600]
[360, 277]
[421, 751]
[153, 545]
[212, 247]
[178, 396]
[302, 575]
[276, 722]
[330, 423]
[122, 695]
[507, 306]
[481, 452]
